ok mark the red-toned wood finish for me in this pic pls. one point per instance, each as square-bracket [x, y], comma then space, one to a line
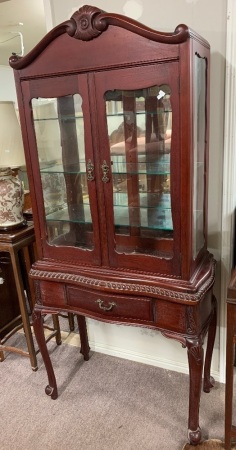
[19, 246]
[163, 281]
[230, 428]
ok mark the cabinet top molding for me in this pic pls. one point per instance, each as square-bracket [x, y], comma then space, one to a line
[89, 22]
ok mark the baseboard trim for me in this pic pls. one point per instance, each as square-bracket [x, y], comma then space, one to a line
[146, 359]
[74, 340]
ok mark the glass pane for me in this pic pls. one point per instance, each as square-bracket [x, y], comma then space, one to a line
[139, 127]
[199, 153]
[59, 129]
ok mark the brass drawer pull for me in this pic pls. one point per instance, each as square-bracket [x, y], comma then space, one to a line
[105, 308]
[105, 172]
[90, 170]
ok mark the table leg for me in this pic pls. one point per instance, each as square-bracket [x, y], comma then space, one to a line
[208, 380]
[56, 327]
[195, 359]
[2, 357]
[83, 337]
[51, 388]
[23, 308]
[27, 253]
[230, 349]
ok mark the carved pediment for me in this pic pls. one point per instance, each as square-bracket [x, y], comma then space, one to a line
[88, 25]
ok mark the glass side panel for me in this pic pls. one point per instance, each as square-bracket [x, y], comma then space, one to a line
[139, 126]
[199, 153]
[59, 130]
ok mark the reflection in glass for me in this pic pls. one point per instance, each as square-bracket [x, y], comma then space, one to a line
[199, 152]
[59, 130]
[139, 127]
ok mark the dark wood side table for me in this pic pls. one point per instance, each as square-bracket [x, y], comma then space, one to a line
[230, 429]
[20, 245]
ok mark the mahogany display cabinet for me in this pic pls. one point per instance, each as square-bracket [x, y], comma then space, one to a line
[115, 125]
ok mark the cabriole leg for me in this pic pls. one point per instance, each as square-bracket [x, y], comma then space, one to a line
[208, 380]
[51, 388]
[195, 359]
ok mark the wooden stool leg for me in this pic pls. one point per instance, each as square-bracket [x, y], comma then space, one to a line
[83, 337]
[23, 309]
[71, 321]
[56, 327]
[230, 350]
[2, 356]
[28, 260]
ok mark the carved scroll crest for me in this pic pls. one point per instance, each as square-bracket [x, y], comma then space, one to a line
[88, 23]
[88, 26]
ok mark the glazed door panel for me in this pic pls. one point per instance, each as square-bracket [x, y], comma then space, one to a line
[65, 168]
[199, 152]
[138, 113]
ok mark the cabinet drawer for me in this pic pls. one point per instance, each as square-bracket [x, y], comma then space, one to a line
[110, 305]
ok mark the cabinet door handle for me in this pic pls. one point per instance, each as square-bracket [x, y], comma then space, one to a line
[90, 170]
[105, 172]
[104, 307]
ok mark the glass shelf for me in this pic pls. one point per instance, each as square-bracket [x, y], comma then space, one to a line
[139, 113]
[76, 215]
[152, 218]
[149, 217]
[160, 167]
[58, 168]
[145, 167]
[62, 118]
[116, 114]
[147, 200]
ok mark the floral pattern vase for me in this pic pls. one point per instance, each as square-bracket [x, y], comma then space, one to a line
[11, 200]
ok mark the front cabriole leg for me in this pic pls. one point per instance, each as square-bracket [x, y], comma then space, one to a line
[51, 388]
[208, 380]
[195, 360]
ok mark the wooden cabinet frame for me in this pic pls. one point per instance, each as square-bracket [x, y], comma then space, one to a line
[170, 288]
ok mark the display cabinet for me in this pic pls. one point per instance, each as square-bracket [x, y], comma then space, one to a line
[115, 125]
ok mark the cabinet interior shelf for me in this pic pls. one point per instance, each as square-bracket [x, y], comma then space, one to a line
[116, 114]
[152, 218]
[142, 167]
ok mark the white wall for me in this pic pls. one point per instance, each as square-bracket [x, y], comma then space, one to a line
[208, 19]
[7, 84]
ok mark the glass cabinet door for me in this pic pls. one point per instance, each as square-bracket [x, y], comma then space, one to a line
[139, 126]
[199, 169]
[137, 107]
[59, 130]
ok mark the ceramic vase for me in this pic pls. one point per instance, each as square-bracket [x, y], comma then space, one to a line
[11, 200]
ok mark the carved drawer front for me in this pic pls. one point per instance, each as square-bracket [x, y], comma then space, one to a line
[110, 305]
[52, 293]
